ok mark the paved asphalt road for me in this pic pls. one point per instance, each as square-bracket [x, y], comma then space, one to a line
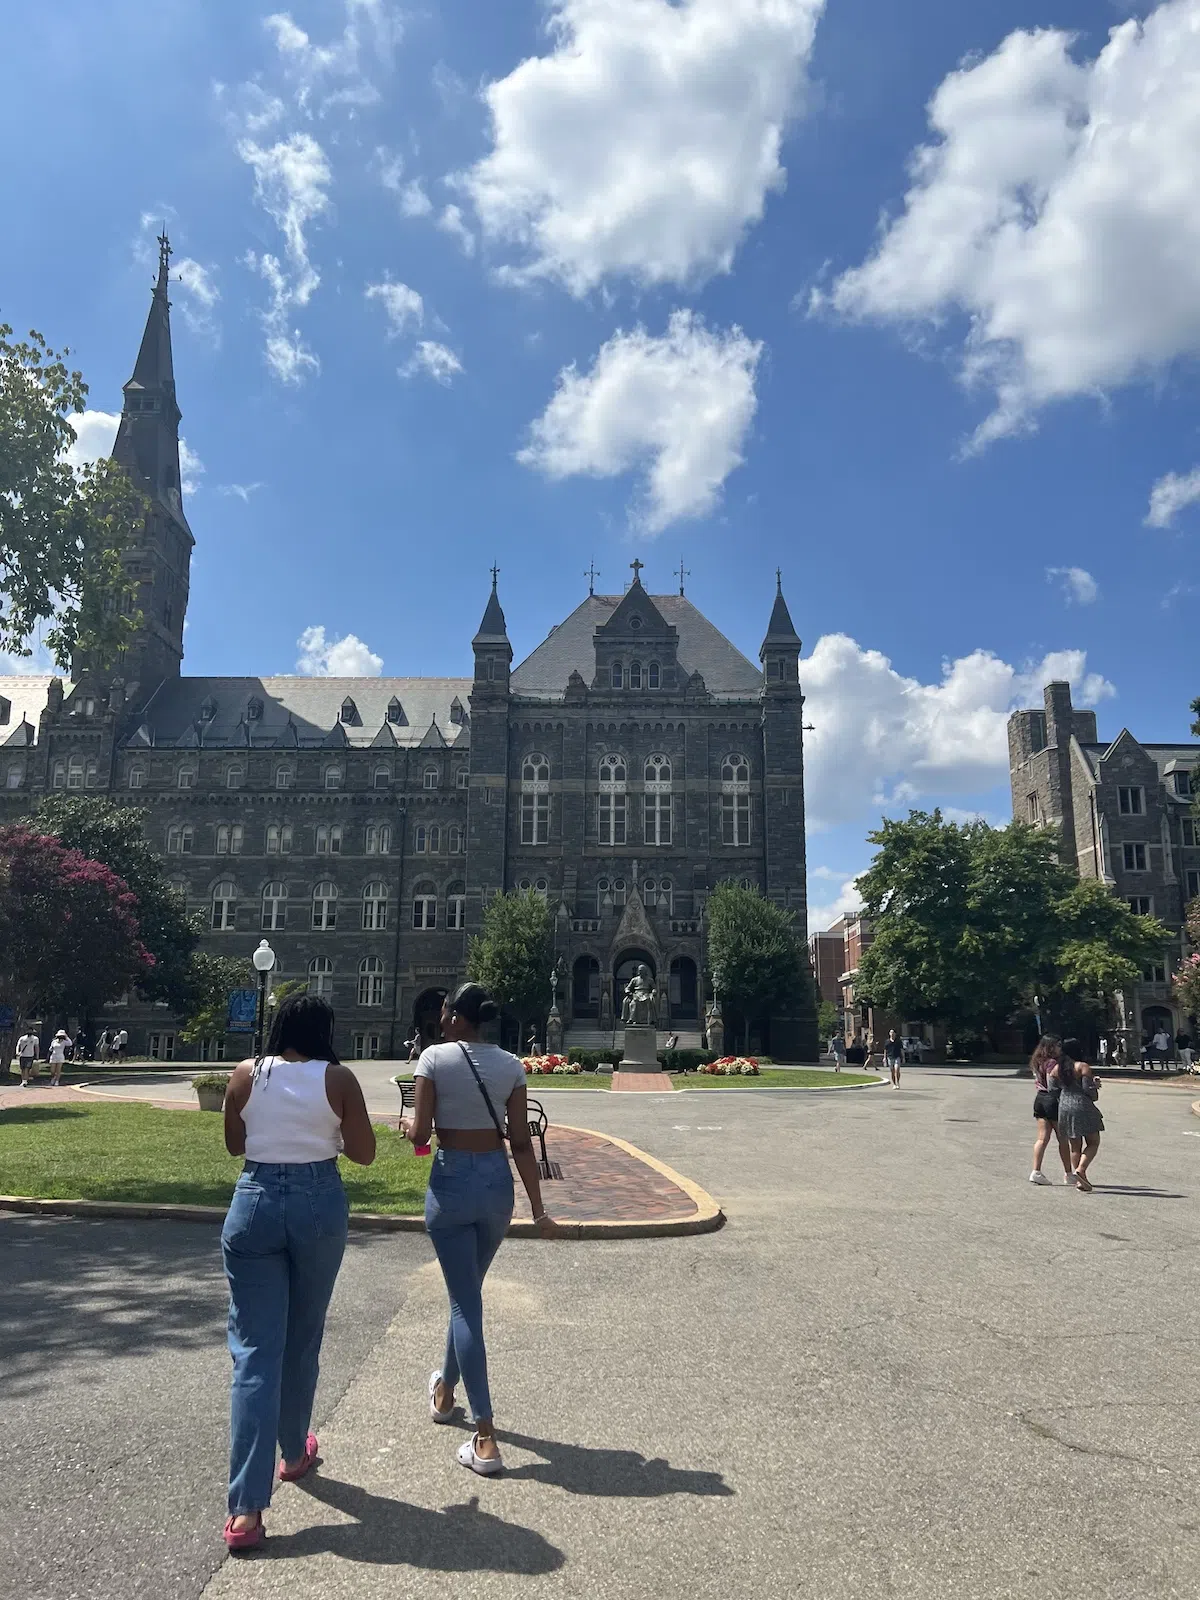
[900, 1371]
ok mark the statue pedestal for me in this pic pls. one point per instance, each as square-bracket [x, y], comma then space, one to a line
[641, 1049]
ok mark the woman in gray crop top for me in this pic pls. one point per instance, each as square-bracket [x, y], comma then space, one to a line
[472, 1092]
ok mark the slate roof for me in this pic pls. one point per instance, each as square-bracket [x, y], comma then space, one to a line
[1161, 754]
[703, 648]
[26, 696]
[306, 712]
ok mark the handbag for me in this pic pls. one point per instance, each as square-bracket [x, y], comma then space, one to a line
[483, 1091]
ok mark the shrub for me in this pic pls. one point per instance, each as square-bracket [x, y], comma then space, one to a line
[550, 1066]
[589, 1060]
[685, 1060]
[733, 1067]
[211, 1080]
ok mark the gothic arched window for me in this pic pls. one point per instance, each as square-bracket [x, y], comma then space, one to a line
[224, 907]
[274, 907]
[320, 977]
[324, 907]
[375, 907]
[613, 778]
[735, 800]
[535, 800]
[370, 981]
[658, 800]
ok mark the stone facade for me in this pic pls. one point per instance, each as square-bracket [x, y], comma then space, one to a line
[632, 762]
[1124, 813]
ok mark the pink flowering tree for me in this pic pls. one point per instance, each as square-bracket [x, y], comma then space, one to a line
[69, 938]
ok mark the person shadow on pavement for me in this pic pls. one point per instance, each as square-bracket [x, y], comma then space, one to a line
[580, 1470]
[386, 1532]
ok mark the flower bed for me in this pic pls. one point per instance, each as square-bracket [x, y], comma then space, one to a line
[731, 1067]
[550, 1066]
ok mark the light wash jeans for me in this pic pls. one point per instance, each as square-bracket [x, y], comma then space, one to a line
[282, 1244]
[468, 1208]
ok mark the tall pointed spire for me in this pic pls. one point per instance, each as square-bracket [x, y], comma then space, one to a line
[493, 629]
[780, 632]
[154, 367]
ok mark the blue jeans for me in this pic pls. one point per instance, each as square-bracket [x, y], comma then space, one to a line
[282, 1244]
[468, 1208]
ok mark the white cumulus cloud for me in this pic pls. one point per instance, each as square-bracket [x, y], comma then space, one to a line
[436, 361]
[1173, 493]
[881, 738]
[401, 304]
[347, 657]
[822, 914]
[190, 467]
[646, 141]
[675, 408]
[1057, 209]
[1078, 586]
[95, 435]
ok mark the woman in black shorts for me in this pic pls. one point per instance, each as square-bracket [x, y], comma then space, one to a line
[1045, 1108]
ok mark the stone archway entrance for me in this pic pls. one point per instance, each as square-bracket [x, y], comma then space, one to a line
[427, 1011]
[625, 969]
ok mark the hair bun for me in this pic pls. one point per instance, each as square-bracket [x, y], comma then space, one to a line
[488, 1011]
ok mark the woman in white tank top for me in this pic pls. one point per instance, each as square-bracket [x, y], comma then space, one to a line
[290, 1114]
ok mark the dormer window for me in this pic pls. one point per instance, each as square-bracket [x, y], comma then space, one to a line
[208, 710]
[395, 711]
[349, 711]
[457, 714]
[254, 709]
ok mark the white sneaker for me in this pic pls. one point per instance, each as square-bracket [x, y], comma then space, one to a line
[438, 1416]
[1069, 1179]
[1039, 1177]
[485, 1466]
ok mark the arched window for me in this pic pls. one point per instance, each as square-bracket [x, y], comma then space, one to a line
[610, 892]
[137, 777]
[658, 800]
[425, 907]
[382, 778]
[229, 839]
[285, 777]
[235, 776]
[324, 907]
[320, 977]
[735, 800]
[187, 778]
[279, 839]
[659, 892]
[535, 800]
[274, 907]
[435, 840]
[60, 774]
[653, 676]
[613, 777]
[454, 839]
[91, 775]
[333, 777]
[180, 839]
[75, 773]
[375, 907]
[224, 907]
[378, 838]
[430, 778]
[329, 839]
[635, 675]
[618, 675]
[456, 907]
[370, 981]
[421, 839]
[15, 776]
[535, 885]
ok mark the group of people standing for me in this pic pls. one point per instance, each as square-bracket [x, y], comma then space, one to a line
[1065, 1106]
[110, 1046]
[291, 1113]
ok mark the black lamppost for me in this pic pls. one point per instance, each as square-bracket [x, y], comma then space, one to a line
[264, 962]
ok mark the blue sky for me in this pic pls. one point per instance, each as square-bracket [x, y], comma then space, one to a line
[902, 299]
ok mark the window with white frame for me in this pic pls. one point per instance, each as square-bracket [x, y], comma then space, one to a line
[75, 772]
[1156, 972]
[613, 779]
[1034, 807]
[333, 777]
[285, 777]
[454, 839]
[735, 800]
[1188, 828]
[658, 800]
[618, 675]
[429, 778]
[367, 1046]
[535, 800]
[162, 1047]
[187, 778]
[378, 838]
[1192, 883]
[653, 675]
[1131, 801]
[279, 839]
[435, 840]
[463, 779]
[659, 892]
[1133, 857]
[324, 907]
[60, 775]
[635, 675]
[320, 977]
[180, 839]
[375, 907]
[15, 776]
[224, 907]
[230, 837]
[274, 907]
[137, 777]
[329, 839]
[1141, 905]
[370, 981]
[421, 839]
[610, 892]
[382, 777]
[424, 916]
[456, 908]
[235, 777]
[91, 775]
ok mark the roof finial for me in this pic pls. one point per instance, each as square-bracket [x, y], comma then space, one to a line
[637, 569]
[778, 580]
[684, 572]
[164, 254]
[495, 575]
[591, 575]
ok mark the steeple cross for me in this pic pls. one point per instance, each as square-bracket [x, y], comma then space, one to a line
[684, 572]
[164, 249]
[591, 575]
[637, 569]
[495, 575]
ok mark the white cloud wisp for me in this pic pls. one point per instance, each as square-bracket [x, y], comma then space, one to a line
[347, 657]
[291, 182]
[1078, 586]
[676, 408]
[1173, 493]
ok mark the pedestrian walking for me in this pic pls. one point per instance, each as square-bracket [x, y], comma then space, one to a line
[289, 1113]
[1045, 1110]
[56, 1055]
[79, 1050]
[414, 1046]
[893, 1057]
[1161, 1045]
[1183, 1047]
[459, 1085]
[28, 1049]
[837, 1048]
[1079, 1118]
[102, 1045]
[119, 1045]
[1147, 1049]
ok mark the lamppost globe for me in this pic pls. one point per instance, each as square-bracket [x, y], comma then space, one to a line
[263, 957]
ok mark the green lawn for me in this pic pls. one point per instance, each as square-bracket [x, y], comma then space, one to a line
[137, 1153]
[775, 1078]
[578, 1080]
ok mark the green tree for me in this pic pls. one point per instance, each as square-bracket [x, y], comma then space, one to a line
[62, 530]
[116, 836]
[757, 962]
[827, 1020]
[513, 954]
[212, 979]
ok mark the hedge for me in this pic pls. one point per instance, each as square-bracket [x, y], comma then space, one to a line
[670, 1060]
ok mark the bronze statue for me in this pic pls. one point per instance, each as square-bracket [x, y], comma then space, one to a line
[641, 1000]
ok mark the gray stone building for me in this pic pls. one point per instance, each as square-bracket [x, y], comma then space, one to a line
[634, 760]
[1124, 812]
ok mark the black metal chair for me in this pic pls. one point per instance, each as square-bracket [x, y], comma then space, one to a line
[538, 1123]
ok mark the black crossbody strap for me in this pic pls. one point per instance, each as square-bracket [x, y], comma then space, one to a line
[483, 1091]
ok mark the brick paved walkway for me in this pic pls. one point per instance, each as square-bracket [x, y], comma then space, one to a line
[643, 1082]
[43, 1095]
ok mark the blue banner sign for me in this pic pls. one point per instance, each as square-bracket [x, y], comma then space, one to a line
[243, 1010]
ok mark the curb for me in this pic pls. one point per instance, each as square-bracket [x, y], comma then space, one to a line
[709, 1216]
[1196, 1108]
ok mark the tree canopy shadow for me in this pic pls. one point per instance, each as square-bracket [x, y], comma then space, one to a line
[387, 1532]
[580, 1469]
